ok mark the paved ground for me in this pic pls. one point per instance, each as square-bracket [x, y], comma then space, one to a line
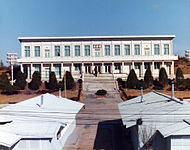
[90, 120]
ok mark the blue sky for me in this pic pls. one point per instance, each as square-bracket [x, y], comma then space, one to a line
[93, 17]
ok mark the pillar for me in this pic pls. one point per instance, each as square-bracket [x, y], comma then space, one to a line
[122, 67]
[142, 69]
[62, 71]
[102, 68]
[42, 71]
[28, 72]
[172, 69]
[83, 69]
[21, 68]
[133, 65]
[31, 70]
[92, 68]
[112, 67]
[72, 67]
[52, 69]
[152, 68]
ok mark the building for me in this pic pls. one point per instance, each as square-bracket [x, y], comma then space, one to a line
[157, 121]
[105, 54]
[187, 55]
[42, 122]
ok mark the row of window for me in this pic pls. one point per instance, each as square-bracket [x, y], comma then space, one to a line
[117, 50]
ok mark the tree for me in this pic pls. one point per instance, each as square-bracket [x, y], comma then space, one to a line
[69, 81]
[5, 85]
[52, 82]
[36, 81]
[179, 76]
[148, 78]
[132, 80]
[163, 77]
[20, 80]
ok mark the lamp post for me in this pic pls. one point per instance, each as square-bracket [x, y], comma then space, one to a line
[12, 59]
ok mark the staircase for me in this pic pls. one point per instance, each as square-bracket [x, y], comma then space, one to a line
[102, 81]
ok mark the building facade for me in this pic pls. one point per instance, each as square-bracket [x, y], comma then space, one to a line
[104, 54]
[187, 54]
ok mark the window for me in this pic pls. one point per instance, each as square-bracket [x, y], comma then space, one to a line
[117, 66]
[127, 49]
[47, 71]
[77, 67]
[107, 50]
[37, 68]
[156, 65]
[87, 50]
[137, 66]
[146, 65]
[156, 49]
[147, 51]
[77, 50]
[37, 51]
[27, 51]
[117, 50]
[67, 50]
[166, 49]
[57, 50]
[58, 70]
[137, 49]
[47, 53]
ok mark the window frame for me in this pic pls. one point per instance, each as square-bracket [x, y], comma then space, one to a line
[77, 48]
[117, 50]
[166, 48]
[87, 50]
[67, 50]
[107, 50]
[156, 49]
[127, 50]
[27, 51]
[137, 49]
[57, 54]
[36, 51]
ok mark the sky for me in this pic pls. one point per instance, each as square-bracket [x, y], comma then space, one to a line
[93, 17]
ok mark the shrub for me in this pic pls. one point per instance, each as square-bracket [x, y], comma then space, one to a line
[20, 80]
[142, 84]
[101, 92]
[148, 78]
[36, 81]
[179, 76]
[157, 85]
[132, 80]
[5, 85]
[187, 83]
[163, 77]
[69, 81]
[52, 85]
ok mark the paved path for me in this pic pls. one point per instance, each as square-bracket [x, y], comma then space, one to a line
[96, 110]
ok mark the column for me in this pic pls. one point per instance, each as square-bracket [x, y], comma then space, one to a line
[28, 72]
[122, 67]
[102, 68]
[83, 70]
[172, 69]
[133, 65]
[142, 69]
[42, 71]
[92, 70]
[152, 68]
[62, 71]
[72, 67]
[21, 68]
[31, 70]
[52, 69]
[112, 67]
[163, 64]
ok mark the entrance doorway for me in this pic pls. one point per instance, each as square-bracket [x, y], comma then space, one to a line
[87, 69]
[107, 69]
[97, 68]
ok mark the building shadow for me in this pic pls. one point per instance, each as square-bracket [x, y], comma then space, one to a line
[112, 135]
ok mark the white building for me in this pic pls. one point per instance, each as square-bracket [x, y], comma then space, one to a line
[106, 54]
[157, 121]
[40, 123]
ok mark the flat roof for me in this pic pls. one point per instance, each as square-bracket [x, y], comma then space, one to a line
[97, 38]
